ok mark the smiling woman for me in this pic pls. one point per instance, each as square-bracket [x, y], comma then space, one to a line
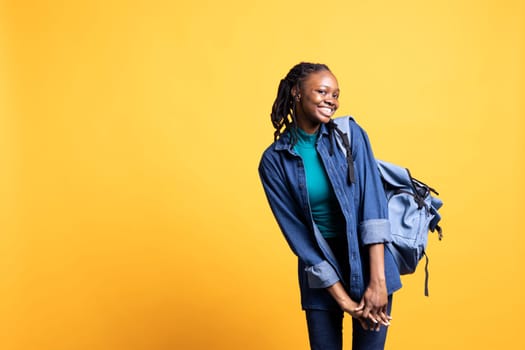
[336, 225]
[317, 100]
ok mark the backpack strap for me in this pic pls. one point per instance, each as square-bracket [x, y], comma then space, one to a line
[341, 126]
[426, 273]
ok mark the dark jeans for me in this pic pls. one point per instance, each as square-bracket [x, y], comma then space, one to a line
[325, 331]
[325, 328]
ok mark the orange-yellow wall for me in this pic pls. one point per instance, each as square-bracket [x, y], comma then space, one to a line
[131, 214]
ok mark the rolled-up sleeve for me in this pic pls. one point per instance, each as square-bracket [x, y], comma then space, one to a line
[375, 231]
[321, 275]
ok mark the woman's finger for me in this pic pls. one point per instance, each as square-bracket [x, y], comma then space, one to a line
[367, 311]
[360, 307]
[374, 318]
[384, 319]
[364, 323]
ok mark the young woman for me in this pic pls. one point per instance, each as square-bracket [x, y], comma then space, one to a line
[334, 217]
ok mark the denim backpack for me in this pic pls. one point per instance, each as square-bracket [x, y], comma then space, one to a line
[412, 209]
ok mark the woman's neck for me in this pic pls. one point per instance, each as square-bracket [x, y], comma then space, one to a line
[309, 128]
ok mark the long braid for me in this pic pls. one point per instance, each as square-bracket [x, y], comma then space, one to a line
[283, 109]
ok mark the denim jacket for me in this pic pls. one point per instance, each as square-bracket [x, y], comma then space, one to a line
[362, 203]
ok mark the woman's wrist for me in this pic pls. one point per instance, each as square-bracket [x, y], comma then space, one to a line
[377, 265]
[378, 281]
[341, 297]
[348, 305]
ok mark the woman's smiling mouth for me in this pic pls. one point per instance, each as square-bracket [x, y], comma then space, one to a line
[328, 111]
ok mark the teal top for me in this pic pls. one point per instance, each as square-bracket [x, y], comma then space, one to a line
[325, 210]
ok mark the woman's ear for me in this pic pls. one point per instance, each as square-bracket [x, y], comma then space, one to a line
[296, 93]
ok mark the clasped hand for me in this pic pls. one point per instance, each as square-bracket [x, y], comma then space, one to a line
[371, 312]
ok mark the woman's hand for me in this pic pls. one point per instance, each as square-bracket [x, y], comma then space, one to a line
[347, 304]
[375, 299]
[356, 311]
[375, 302]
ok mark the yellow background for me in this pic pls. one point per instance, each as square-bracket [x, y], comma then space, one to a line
[131, 213]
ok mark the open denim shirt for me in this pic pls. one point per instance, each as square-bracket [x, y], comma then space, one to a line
[362, 203]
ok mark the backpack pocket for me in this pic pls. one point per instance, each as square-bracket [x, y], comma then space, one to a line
[409, 230]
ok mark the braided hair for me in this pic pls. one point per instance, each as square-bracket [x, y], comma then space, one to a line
[283, 109]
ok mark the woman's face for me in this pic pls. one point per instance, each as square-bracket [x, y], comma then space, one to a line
[316, 101]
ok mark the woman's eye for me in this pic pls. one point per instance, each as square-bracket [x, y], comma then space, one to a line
[322, 92]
